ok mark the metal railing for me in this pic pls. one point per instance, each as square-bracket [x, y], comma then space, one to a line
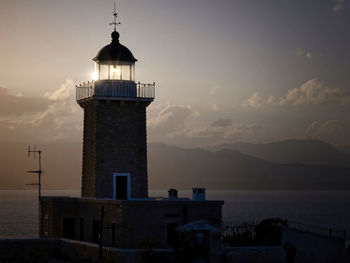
[340, 233]
[238, 228]
[84, 91]
[231, 228]
[116, 89]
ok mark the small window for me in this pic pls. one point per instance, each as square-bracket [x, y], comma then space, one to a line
[81, 229]
[96, 231]
[46, 225]
[172, 235]
[103, 73]
[69, 227]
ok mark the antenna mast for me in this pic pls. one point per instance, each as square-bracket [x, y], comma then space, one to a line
[115, 15]
[39, 171]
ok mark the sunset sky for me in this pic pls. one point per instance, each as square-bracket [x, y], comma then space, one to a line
[225, 71]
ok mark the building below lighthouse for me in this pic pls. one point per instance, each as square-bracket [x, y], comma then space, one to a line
[114, 208]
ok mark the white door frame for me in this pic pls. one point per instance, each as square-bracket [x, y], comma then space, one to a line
[128, 182]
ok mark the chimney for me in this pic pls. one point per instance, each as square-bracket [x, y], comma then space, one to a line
[198, 194]
[172, 193]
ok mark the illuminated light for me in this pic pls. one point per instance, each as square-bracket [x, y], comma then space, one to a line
[94, 75]
[115, 72]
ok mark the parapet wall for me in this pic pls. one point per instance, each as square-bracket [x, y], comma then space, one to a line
[311, 247]
[256, 254]
[28, 250]
[46, 250]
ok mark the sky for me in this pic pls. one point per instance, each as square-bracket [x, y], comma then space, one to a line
[225, 71]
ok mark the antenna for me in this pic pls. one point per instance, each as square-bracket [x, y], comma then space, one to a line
[39, 171]
[115, 15]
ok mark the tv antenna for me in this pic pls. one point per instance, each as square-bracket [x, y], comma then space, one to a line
[39, 171]
[115, 15]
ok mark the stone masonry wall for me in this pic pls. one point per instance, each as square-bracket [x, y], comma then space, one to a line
[138, 223]
[145, 221]
[89, 150]
[115, 140]
[121, 146]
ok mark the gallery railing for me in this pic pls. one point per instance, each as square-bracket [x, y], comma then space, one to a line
[116, 89]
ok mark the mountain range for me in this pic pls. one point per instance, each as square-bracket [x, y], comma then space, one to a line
[345, 148]
[293, 151]
[291, 165]
[230, 169]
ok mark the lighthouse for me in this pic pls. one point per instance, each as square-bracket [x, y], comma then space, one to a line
[114, 139]
[114, 208]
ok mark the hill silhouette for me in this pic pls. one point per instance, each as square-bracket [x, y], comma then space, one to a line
[228, 169]
[345, 148]
[292, 151]
[171, 166]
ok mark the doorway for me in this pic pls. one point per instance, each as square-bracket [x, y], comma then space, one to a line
[121, 186]
[96, 231]
[69, 227]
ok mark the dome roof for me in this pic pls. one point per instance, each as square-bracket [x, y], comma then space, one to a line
[115, 52]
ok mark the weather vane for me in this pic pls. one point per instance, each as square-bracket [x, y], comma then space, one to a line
[114, 23]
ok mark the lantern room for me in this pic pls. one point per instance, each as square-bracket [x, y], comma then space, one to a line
[115, 62]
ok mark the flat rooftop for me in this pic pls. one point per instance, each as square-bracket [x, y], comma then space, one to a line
[153, 200]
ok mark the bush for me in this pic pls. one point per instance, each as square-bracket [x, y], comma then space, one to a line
[268, 231]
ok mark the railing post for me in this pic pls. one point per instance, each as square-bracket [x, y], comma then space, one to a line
[330, 232]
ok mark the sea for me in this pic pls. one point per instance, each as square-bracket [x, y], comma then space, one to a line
[329, 209]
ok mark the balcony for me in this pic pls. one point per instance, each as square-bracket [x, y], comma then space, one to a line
[115, 90]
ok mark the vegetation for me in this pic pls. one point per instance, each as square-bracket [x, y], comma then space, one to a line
[266, 233]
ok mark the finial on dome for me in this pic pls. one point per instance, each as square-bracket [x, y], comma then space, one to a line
[115, 36]
[114, 23]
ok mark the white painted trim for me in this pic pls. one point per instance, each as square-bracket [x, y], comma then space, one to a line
[128, 179]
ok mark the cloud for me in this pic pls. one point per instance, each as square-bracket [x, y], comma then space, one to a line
[62, 105]
[339, 5]
[331, 131]
[16, 105]
[299, 52]
[312, 92]
[178, 124]
[256, 101]
[214, 107]
[213, 90]
[225, 130]
[63, 93]
[58, 118]
[171, 119]
[222, 123]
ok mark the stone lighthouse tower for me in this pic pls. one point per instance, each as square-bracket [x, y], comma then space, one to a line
[115, 140]
[115, 209]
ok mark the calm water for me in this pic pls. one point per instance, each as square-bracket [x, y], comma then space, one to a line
[19, 209]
